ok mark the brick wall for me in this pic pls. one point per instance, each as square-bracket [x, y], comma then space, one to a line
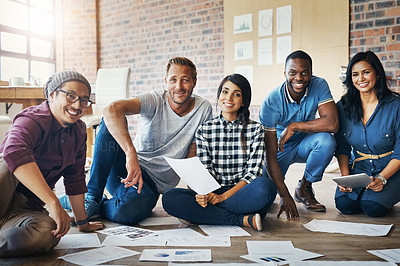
[76, 37]
[144, 34]
[375, 26]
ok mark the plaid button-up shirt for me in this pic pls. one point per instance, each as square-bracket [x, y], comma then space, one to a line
[219, 148]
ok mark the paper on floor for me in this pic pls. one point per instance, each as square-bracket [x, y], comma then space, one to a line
[176, 255]
[98, 255]
[338, 263]
[70, 241]
[392, 255]
[129, 232]
[283, 259]
[348, 228]
[223, 230]
[152, 221]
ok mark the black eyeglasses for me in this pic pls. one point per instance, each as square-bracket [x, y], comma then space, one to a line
[72, 98]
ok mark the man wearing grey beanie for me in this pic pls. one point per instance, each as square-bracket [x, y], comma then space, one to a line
[44, 143]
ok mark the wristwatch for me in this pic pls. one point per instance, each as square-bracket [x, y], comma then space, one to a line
[384, 180]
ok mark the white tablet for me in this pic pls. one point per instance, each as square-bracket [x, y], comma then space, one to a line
[353, 181]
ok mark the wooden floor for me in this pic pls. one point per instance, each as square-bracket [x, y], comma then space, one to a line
[335, 247]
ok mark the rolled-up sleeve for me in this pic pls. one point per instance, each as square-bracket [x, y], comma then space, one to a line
[20, 142]
[74, 175]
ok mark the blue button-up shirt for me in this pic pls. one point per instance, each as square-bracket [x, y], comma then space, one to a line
[380, 135]
[279, 110]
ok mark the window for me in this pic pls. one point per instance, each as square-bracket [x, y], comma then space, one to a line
[27, 41]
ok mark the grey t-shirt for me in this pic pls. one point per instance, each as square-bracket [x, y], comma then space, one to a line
[164, 133]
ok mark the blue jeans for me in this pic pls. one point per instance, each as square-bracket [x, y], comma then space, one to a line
[316, 150]
[126, 206]
[371, 208]
[255, 197]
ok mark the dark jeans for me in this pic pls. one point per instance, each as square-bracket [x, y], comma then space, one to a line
[255, 197]
[108, 167]
[371, 208]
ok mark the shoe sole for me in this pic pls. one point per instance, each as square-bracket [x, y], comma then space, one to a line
[258, 222]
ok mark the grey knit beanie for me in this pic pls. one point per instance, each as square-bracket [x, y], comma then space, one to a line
[57, 79]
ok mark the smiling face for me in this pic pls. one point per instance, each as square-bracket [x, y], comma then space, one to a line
[180, 83]
[230, 100]
[67, 113]
[298, 75]
[364, 77]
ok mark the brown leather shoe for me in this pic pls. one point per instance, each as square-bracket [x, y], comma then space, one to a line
[305, 195]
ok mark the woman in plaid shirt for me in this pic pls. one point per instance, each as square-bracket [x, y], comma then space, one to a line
[231, 147]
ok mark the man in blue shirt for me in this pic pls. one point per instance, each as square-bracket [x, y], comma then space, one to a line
[288, 115]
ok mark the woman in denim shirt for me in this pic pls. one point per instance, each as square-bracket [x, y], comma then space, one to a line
[368, 140]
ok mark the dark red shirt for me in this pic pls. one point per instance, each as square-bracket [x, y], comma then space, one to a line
[36, 136]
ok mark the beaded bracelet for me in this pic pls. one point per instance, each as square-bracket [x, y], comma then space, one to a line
[82, 222]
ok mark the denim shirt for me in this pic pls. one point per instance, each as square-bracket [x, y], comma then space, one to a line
[380, 135]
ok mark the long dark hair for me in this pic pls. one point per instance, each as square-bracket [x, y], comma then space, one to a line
[351, 99]
[243, 112]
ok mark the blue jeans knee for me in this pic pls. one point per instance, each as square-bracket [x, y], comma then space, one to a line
[347, 206]
[129, 211]
[373, 209]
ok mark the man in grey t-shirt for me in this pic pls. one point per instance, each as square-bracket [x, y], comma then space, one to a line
[135, 173]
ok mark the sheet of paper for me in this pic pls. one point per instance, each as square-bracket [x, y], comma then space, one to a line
[159, 240]
[244, 50]
[219, 264]
[125, 242]
[195, 175]
[70, 241]
[246, 71]
[202, 241]
[265, 51]
[283, 48]
[128, 232]
[152, 221]
[243, 23]
[180, 232]
[298, 255]
[283, 19]
[392, 255]
[270, 247]
[348, 228]
[98, 255]
[223, 230]
[176, 255]
[265, 22]
[339, 263]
